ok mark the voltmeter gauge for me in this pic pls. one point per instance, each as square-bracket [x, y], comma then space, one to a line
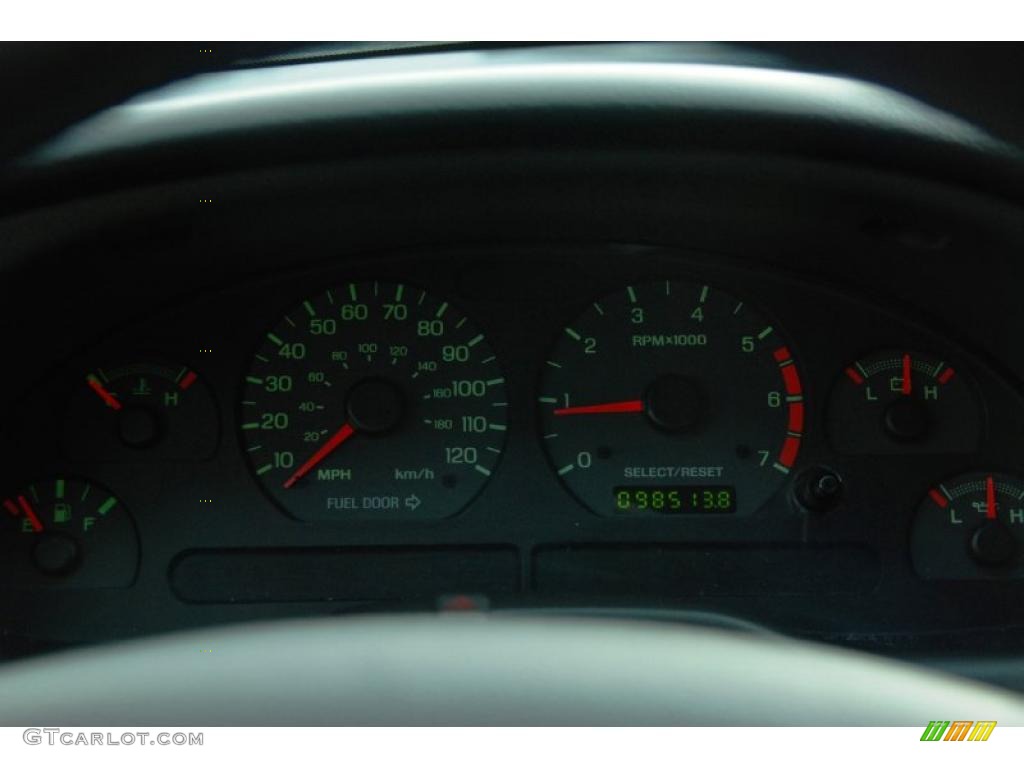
[899, 401]
[971, 527]
[66, 531]
[141, 411]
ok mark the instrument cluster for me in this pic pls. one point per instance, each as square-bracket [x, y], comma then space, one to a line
[663, 430]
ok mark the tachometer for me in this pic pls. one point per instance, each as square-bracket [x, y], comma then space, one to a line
[373, 401]
[671, 398]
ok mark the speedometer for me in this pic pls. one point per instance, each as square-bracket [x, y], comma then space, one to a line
[373, 401]
[671, 398]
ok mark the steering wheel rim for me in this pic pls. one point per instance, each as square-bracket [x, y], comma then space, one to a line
[483, 670]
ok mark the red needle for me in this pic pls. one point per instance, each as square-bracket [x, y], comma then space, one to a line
[990, 498]
[623, 406]
[322, 453]
[27, 509]
[105, 395]
[906, 375]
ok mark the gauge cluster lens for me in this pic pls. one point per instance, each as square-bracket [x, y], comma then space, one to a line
[671, 398]
[373, 401]
[901, 402]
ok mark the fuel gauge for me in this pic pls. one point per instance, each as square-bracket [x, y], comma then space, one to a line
[141, 411]
[66, 531]
[899, 401]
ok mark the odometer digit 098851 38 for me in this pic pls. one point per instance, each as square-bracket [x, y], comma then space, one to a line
[671, 398]
[373, 401]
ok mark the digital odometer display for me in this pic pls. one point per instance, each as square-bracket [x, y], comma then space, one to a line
[675, 499]
[671, 386]
[373, 401]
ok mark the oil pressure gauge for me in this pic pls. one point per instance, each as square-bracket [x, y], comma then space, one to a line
[901, 401]
[971, 527]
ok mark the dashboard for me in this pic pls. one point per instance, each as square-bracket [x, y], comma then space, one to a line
[268, 373]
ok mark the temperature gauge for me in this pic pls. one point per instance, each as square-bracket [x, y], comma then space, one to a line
[141, 411]
[66, 531]
[971, 527]
[903, 402]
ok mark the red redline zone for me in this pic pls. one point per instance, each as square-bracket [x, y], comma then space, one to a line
[796, 413]
[938, 498]
[791, 379]
[796, 417]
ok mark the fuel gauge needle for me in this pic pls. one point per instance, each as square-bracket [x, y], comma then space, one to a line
[37, 526]
[622, 406]
[990, 498]
[105, 395]
[344, 433]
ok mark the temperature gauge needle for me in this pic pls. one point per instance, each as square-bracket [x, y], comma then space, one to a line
[105, 395]
[322, 453]
[622, 406]
[990, 498]
[37, 526]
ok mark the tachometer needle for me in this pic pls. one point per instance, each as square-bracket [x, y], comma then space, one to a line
[905, 389]
[622, 406]
[105, 395]
[990, 498]
[322, 453]
[37, 526]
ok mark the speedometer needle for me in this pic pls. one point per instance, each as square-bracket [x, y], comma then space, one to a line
[622, 406]
[322, 453]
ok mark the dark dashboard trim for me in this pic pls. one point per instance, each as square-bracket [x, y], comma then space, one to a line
[497, 83]
[507, 100]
